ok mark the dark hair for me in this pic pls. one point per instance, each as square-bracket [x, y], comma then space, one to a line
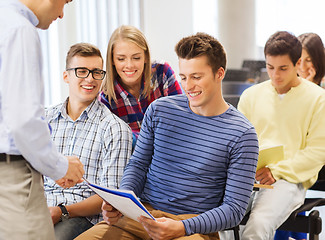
[314, 46]
[83, 50]
[202, 44]
[283, 43]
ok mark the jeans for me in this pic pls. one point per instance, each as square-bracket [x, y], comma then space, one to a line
[71, 228]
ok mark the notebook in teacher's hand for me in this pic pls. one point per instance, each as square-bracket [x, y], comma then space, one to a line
[270, 155]
[124, 201]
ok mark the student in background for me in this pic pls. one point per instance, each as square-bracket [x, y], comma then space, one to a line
[311, 65]
[26, 149]
[194, 162]
[132, 81]
[271, 107]
[84, 127]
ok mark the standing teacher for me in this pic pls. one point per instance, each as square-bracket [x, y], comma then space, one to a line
[26, 149]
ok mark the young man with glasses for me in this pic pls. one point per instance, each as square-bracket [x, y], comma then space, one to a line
[84, 127]
[26, 149]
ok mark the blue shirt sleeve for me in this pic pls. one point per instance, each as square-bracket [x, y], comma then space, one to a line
[22, 97]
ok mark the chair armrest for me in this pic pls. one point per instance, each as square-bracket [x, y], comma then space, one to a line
[308, 205]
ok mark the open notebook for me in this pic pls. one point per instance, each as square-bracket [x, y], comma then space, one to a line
[123, 200]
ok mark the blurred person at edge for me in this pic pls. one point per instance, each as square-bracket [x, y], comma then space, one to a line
[311, 65]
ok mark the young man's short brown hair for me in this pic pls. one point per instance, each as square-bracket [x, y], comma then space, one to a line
[283, 43]
[202, 44]
[82, 50]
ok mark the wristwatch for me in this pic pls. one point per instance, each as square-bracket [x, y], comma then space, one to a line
[65, 214]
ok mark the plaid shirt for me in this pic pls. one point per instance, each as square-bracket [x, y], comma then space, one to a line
[102, 142]
[132, 110]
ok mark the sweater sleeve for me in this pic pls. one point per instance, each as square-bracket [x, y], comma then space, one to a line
[134, 177]
[21, 102]
[239, 185]
[304, 165]
[243, 104]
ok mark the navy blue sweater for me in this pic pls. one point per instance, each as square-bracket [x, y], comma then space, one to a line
[185, 163]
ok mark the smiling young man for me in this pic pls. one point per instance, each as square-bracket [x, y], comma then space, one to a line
[194, 163]
[84, 127]
[26, 149]
[285, 110]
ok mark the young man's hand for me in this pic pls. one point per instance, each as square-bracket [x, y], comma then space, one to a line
[264, 176]
[74, 173]
[110, 214]
[162, 228]
[55, 214]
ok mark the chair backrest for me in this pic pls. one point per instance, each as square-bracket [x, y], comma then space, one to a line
[236, 75]
[232, 90]
[255, 67]
[232, 99]
[236, 88]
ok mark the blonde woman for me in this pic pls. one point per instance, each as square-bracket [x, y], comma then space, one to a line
[132, 82]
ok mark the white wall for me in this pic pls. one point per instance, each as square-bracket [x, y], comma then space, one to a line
[164, 24]
[66, 29]
[236, 30]
[68, 37]
[233, 24]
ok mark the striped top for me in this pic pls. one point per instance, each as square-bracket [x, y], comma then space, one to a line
[185, 163]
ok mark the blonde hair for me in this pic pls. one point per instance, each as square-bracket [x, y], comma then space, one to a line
[134, 35]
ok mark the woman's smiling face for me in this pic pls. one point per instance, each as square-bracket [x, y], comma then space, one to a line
[129, 60]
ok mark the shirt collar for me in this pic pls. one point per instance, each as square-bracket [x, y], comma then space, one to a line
[22, 9]
[123, 93]
[89, 112]
[120, 90]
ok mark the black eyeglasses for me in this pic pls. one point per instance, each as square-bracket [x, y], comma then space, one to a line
[82, 72]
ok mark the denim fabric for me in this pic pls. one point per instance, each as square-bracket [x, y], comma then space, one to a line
[71, 228]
